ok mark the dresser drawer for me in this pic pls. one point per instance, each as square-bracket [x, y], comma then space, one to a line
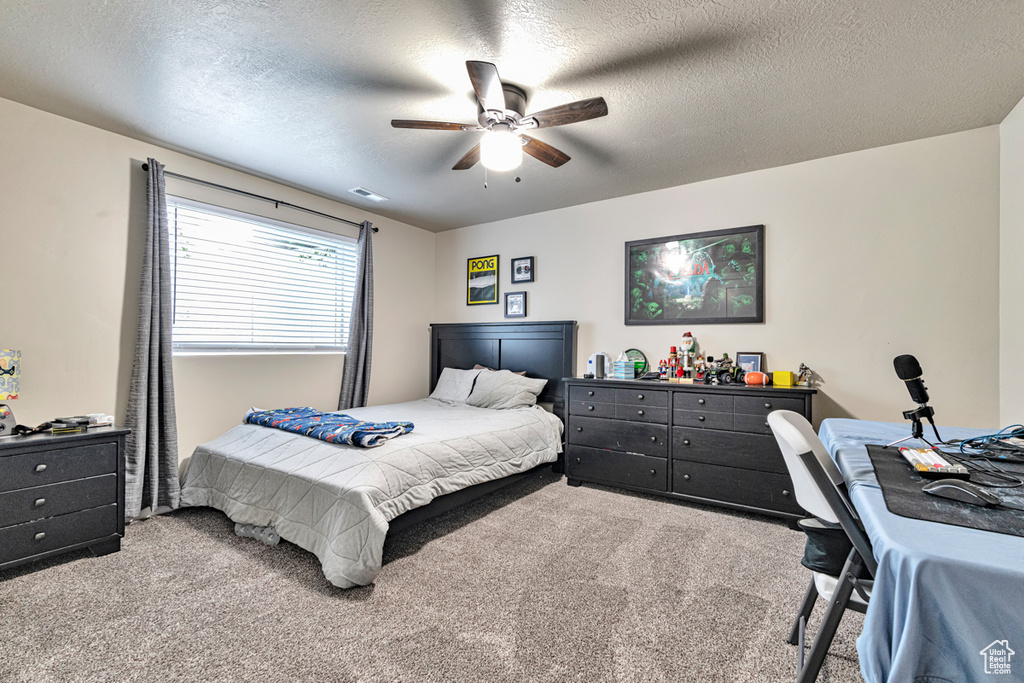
[37, 502]
[590, 393]
[641, 397]
[627, 469]
[703, 402]
[702, 420]
[642, 414]
[732, 485]
[762, 405]
[749, 451]
[34, 538]
[755, 424]
[60, 464]
[592, 409]
[633, 437]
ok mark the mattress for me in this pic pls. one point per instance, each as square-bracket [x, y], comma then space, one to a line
[336, 500]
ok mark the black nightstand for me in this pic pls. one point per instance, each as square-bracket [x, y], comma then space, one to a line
[60, 493]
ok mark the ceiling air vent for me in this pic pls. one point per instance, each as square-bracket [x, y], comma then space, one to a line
[368, 194]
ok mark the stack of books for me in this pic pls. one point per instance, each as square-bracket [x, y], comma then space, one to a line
[69, 425]
[623, 369]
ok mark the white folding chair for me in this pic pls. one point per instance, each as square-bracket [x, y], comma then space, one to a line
[819, 489]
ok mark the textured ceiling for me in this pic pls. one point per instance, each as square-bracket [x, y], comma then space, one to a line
[303, 91]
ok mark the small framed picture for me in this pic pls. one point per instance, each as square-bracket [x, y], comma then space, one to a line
[482, 280]
[522, 269]
[515, 304]
[750, 361]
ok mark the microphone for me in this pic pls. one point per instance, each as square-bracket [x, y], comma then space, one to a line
[909, 370]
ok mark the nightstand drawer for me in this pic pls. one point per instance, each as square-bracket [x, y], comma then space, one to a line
[633, 437]
[628, 469]
[641, 397]
[23, 541]
[762, 405]
[59, 464]
[750, 451]
[592, 409]
[703, 402]
[702, 420]
[642, 414]
[597, 394]
[38, 502]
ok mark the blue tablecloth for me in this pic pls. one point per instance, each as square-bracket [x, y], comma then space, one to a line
[943, 593]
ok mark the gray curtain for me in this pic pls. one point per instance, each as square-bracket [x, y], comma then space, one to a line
[355, 381]
[151, 476]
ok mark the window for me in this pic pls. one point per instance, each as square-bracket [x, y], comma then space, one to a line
[242, 282]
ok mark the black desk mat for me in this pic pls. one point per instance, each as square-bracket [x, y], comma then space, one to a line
[901, 489]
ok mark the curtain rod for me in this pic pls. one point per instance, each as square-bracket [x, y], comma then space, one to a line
[275, 202]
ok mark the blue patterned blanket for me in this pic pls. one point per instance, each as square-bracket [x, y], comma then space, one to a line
[330, 427]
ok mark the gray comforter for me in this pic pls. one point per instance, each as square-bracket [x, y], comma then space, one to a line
[336, 501]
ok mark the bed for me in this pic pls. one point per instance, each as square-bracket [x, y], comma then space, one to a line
[339, 502]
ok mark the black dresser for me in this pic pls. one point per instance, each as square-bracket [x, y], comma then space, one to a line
[61, 493]
[710, 444]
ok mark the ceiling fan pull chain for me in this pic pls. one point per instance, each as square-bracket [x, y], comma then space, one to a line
[485, 177]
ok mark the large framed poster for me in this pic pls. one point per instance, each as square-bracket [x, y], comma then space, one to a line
[702, 277]
[482, 280]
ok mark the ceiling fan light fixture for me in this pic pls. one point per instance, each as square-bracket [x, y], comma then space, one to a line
[501, 149]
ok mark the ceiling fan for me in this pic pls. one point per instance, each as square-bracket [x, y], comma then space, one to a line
[502, 121]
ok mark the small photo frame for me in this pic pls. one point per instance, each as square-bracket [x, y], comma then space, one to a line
[522, 269]
[750, 361]
[515, 304]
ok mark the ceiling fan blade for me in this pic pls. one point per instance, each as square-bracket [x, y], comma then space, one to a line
[428, 125]
[468, 161]
[574, 112]
[542, 151]
[487, 85]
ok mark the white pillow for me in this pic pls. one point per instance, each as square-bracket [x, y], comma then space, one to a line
[501, 389]
[454, 385]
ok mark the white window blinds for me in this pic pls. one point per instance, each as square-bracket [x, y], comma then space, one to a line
[247, 283]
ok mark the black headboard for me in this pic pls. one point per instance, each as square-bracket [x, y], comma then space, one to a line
[542, 349]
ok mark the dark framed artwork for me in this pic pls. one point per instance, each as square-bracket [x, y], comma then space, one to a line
[750, 361]
[515, 304]
[522, 269]
[701, 277]
[482, 280]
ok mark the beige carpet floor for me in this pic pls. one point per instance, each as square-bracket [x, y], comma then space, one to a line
[539, 582]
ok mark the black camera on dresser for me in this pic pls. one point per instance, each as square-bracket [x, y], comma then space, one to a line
[709, 444]
[61, 492]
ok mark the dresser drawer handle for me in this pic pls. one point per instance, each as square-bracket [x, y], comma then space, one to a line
[578, 460]
[40, 536]
[686, 477]
[767, 405]
[639, 412]
[654, 472]
[40, 468]
[590, 393]
[767, 425]
[590, 407]
[701, 418]
[785, 493]
[40, 502]
[639, 397]
[654, 438]
[700, 401]
[579, 429]
[686, 442]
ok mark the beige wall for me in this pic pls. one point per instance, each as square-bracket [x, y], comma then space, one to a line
[72, 208]
[1011, 270]
[868, 255]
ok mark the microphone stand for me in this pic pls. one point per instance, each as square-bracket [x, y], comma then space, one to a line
[915, 416]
